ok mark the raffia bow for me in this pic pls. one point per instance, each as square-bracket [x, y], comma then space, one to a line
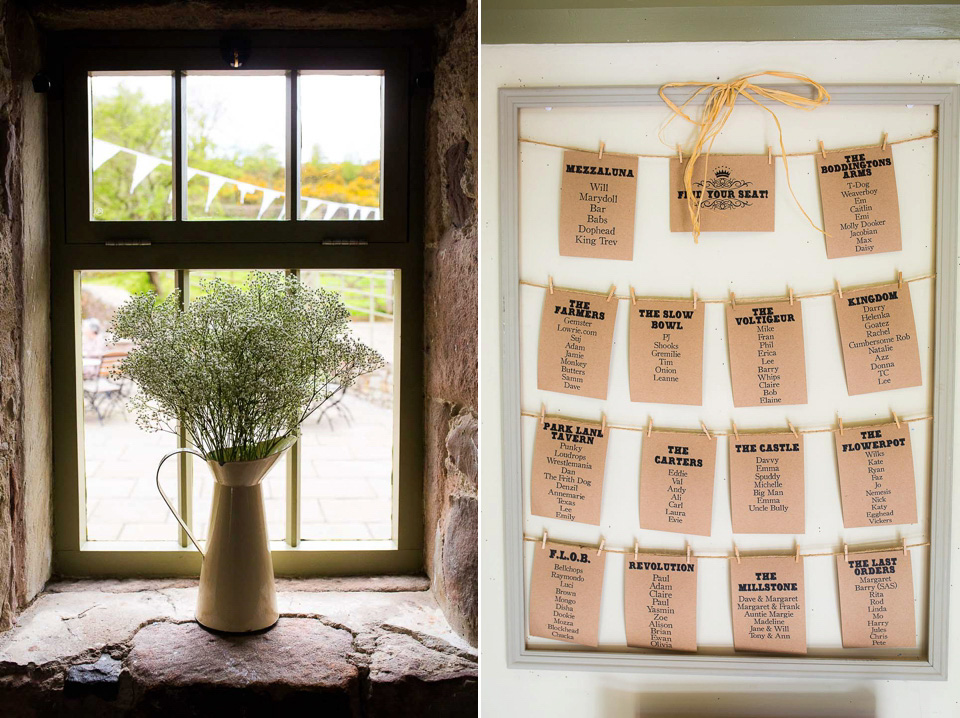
[717, 110]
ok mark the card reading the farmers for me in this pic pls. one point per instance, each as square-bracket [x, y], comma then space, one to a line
[876, 600]
[861, 210]
[768, 605]
[568, 461]
[879, 338]
[660, 602]
[598, 200]
[676, 482]
[565, 590]
[737, 191]
[666, 352]
[766, 483]
[766, 353]
[576, 339]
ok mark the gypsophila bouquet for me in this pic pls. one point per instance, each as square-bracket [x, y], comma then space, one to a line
[240, 368]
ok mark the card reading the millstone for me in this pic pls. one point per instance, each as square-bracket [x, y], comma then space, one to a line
[876, 600]
[598, 201]
[676, 482]
[768, 605]
[666, 352]
[767, 363]
[861, 210]
[660, 602]
[879, 338]
[766, 483]
[576, 339]
[565, 590]
[568, 462]
[877, 485]
[737, 190]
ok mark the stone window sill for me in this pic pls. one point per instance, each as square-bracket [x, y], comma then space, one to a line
[349, 646]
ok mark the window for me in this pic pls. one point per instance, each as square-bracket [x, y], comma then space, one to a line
[167, 167]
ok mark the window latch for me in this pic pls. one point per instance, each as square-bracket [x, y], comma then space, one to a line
[127, 243]
[341, 242]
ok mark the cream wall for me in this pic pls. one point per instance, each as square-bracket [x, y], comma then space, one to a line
[521, 692]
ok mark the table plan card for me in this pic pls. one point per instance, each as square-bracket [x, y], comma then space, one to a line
[877, 486]
[660, 602]
[676, 482]
[766, 483]
[666, 352]
[565, 590]
[768, 605]
[568, 463]
[767, 365]
[598, 200]
[876, 600]
[576, 340]
[737, 191]
[878, 336]
[861, 211]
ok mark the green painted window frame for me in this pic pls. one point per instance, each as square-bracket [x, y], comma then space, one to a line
[396, 242]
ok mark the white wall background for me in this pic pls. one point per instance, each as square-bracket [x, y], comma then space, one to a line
[662, 263]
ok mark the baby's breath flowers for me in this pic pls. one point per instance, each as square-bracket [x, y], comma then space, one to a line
[240, 368]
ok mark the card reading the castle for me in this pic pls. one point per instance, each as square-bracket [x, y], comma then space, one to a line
[565, 589]
[737, 191]
[879, 338]
[598, 200]
[768, 605]
[568, 461]
[877, 486]
[676, 482]
[876, 600]
[766, 353]
[666, 352]
[660, 602]
[861, 211]
[766, 483]
[576, 338]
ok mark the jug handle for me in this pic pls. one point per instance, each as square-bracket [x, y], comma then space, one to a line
[167, 501]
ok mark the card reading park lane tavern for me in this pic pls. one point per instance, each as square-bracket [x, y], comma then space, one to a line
[876, 600]
[666, 352]
[768, 604]
[737, 190]
[676, 482]
[766, 483]
[660, 601]
[565, 589]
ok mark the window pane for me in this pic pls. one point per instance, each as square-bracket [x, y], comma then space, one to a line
[122, 501]
[347, 445]
[236, 140]
[341, 135]
[131, 147]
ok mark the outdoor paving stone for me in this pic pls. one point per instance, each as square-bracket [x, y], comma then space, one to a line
[349, 488]
[331, 532]
[345, 510]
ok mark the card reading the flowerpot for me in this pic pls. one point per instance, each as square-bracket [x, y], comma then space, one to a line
[877, 485]
[766, 483]
[676, 482]
[737, 192]
[768, 605]
[767, 363]
[876, 600]
[861, 211]
[598, 200]
[576, 339]
[666, 351]
[660, 602]
[568, 463]
[565, 589]
[879, 338]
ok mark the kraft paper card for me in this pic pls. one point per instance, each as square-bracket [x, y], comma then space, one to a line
[598, 200]
[879, 338]
[568, 462]
[877, 485]
[666, 352]
[861, 211]
[565, 590]
[768, 605]
[676, 482]
[766, 483]
[737, 190]
[876, 600]
[767, 363]
[576, 339]
[660, 602]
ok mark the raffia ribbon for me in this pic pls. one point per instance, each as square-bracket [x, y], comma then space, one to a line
[717, 110]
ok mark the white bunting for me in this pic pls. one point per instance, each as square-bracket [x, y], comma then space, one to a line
[245, 189]
[215, 182]
[330, 210]
[102, 151]
[283, 213]
[268, 196]
[312, 204]
[145, 165]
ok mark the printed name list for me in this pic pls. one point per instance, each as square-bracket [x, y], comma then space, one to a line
[676, 482]
[568, 464]
[660, 602]
[666, 352]
[565, 591]
[876, 600]
[766, 483]
[768, 605]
